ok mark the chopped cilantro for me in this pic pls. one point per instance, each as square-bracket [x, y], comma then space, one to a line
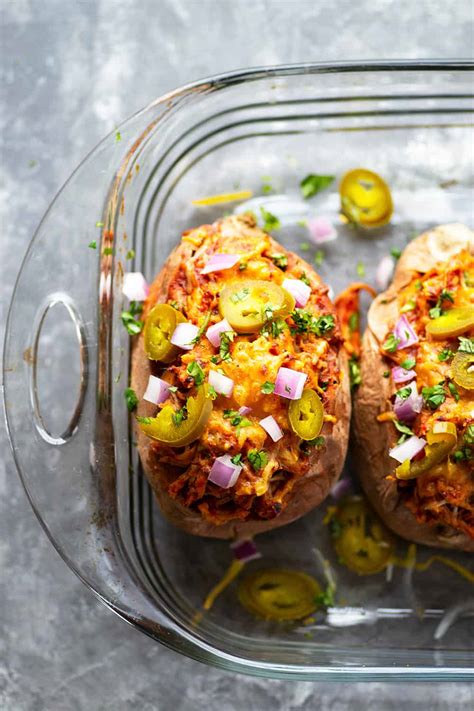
[305, 279]
[396, 253]
[132, 324]
[92, 245]
[236, 419]
[214, 359]
[302, 223]
[305, 246]
[270, 221]
[404, 429]
[316, 442]
[211, 392]
[326, 597]
[273, 327]
[418, 284]
[353, 321]
[99, 224]
[463, 454]
[236, 459]
[267, 387]
[226, 339]
[454, 391]
[258, 459]
[241, 295]
[319, 257]
[196, 372]
[434, 397]
[437, 310]
[469, 434]
[305, 322]
[360, 269]
[386, 373]
[108, 251]
[445, 354]
[180, 415]
[335, 528]
[118, 136]
[354, 372]
[409, 363]
[131, 399]
[242, 266]
[391, 343]
[202, 328]
[144, 420]
[403, 393]
[466, 345]
[313, 184]
[280, 260]
[130, 254]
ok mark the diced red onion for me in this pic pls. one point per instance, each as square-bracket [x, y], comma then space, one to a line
[157, 390]
[404, 331]
[408, 449]
[384, 272]
[400, 375]
[135, 286]
[321, 230]
[298, 289]
[183, 335]
[245, 550]
[219, 262]
[213, 333]
[224, 472]
[341, 488]
[271, 427]
[289, 383]
[244, 410]
[407, 409]
[221, 383]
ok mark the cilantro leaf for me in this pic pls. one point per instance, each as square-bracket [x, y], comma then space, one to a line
[130, 254]
[354, 372]
[306, 322]
[236, 459]
[403, 393]
[313, 184]
[133, 325]
[131, 399]
[360, 269]
[466, 345]
[258, 459]
[305, 279]
[396, 253]
[434, 397]
[236, 419]
[92, 245]
[409, 363]
[267, 387]
[391, 343]
[445, 354]
[270, 221]
[180, 415]
[226, 339]
[353, 321]
[319, 257]
[454, 391]
[196, 372]
[469, 434]
[280, 260]
[437, 310]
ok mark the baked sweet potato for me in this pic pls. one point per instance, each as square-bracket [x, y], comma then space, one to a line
[279, 481]
[429, 499]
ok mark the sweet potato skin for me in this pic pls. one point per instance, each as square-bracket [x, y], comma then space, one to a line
[370, 438]
[308, 491]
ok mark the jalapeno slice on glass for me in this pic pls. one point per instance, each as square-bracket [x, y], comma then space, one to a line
[306, 415]
[365, 198]
[463, 370]
[279, 594]
[159, 327]
[247, 304]
[453, 323]
[360, 540]
[441, 439]
[177, 428]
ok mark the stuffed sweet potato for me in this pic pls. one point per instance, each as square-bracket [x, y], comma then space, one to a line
[246, 420]
[414, 409]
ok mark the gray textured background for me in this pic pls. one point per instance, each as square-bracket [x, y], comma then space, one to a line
[70, 70]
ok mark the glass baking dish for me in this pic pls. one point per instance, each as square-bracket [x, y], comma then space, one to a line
[67, 354]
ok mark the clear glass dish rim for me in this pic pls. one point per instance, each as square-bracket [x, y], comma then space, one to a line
[195, 648]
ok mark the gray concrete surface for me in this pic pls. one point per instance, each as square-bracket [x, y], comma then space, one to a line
[70, 70]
